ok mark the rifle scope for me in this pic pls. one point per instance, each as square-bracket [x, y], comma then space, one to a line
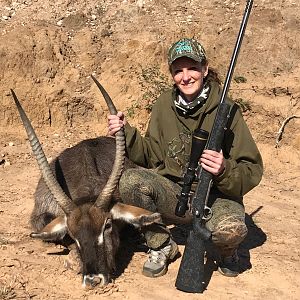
[199, 139]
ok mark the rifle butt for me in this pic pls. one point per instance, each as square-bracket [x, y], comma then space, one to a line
[190, 277]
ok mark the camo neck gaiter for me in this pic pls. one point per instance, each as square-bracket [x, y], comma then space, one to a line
[189, 107]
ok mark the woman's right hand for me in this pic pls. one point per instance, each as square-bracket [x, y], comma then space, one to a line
[116, 122]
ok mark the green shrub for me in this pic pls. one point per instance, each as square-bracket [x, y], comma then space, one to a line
[240, 79]
[243, 104]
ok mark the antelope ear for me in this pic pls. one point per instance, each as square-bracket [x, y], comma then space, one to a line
[136, 216]
[54, 231]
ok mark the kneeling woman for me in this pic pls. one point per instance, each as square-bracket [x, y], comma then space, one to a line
[164, 152]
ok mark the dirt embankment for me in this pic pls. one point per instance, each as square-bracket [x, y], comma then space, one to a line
[48, 51]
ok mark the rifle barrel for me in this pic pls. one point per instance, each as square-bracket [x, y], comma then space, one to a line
[236, 50]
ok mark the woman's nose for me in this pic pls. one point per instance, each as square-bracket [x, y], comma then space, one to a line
[186, 75]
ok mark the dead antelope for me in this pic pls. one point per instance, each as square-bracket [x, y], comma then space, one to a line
[76, 196]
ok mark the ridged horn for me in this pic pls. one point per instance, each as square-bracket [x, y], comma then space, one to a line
[105, 196]
[62, 199]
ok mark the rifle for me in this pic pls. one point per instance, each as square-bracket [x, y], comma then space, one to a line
[190, 277]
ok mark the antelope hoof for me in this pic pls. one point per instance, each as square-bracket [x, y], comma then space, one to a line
[42, 236]
[48, 236]
[90, 281]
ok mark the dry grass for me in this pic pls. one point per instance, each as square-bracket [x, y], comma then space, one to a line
[7, 291]
[13, 288]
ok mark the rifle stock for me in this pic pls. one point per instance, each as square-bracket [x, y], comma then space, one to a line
[190, 277]
[191, 272]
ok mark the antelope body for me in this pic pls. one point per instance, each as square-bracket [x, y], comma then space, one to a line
[82, 172]
[77, 196]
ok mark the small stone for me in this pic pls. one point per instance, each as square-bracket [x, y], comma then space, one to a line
[6, 164]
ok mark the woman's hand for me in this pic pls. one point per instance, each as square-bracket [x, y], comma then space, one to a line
[213, 161]
[116, 122]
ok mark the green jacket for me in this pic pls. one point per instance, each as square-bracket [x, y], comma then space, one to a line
[167, 143]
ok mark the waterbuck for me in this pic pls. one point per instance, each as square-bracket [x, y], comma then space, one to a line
[76, 196]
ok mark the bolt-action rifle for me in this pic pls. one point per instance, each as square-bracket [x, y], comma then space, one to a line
[190, 277]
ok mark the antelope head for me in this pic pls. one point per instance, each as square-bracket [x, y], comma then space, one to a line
[92, 225]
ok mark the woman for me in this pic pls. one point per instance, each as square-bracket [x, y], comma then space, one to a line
[164, 152]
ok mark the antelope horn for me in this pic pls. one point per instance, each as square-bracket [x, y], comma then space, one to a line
[104, 198]
[63, 200]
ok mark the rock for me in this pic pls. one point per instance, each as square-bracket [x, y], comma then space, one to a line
[6, 163]
[59, 23]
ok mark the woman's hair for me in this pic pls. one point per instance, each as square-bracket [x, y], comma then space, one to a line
[212, 73]
[212, 76]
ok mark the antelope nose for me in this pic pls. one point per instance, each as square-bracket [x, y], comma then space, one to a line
[91, 280]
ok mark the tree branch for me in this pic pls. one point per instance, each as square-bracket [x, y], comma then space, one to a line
[281, 129]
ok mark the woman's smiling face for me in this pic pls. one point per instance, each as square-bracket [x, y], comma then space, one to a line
[188, 76]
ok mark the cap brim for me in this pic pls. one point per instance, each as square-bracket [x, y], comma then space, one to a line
[189, 55]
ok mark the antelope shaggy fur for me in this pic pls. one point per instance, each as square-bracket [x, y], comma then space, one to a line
[76, 196]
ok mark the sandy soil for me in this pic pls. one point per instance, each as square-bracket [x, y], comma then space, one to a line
[47, 53]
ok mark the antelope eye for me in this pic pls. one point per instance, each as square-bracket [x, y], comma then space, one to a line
[108, 225]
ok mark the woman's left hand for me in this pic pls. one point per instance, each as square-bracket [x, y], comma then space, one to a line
[213, 161]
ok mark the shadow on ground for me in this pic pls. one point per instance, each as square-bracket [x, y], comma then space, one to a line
[132, 241]
[255, 238]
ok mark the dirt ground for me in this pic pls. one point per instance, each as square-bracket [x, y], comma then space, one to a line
[48, 51]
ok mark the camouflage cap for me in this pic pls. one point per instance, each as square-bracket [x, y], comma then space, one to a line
[186, 48]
